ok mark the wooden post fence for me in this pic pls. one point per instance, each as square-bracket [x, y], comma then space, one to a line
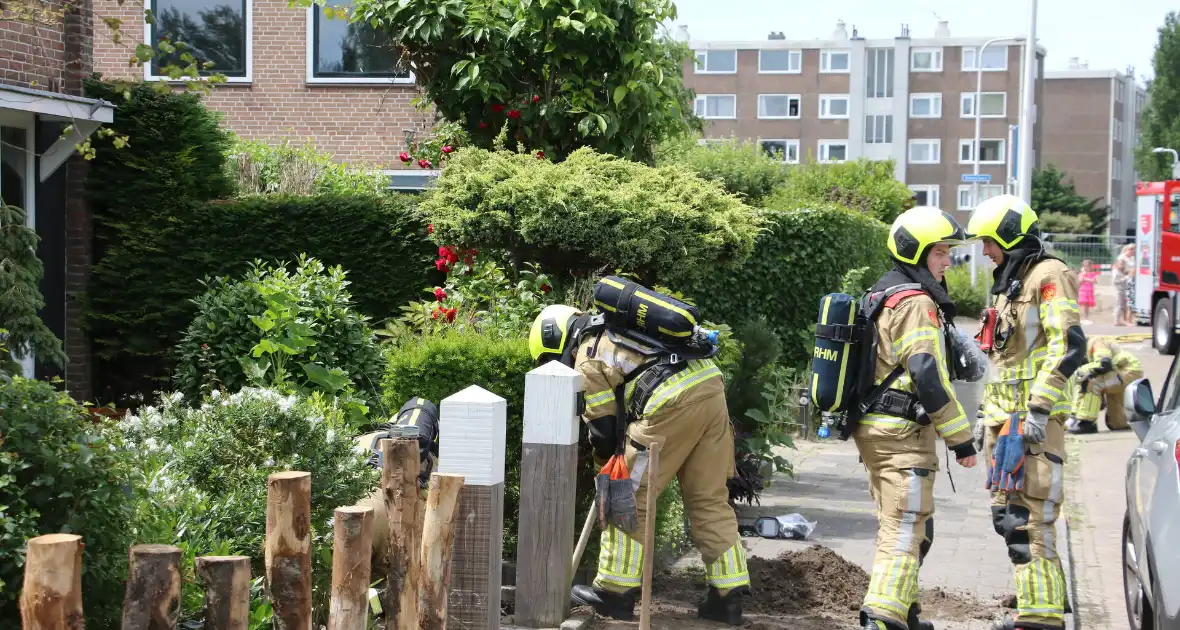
[438, 538]
[352, 550]
[548, 489]
[288, 548]
[52, 594]
[472, 434]
[152, 599]
[227, 591]
[399, 485]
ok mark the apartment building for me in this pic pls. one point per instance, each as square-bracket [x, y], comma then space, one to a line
[911, 99]
[1091, 131]
[292, 72]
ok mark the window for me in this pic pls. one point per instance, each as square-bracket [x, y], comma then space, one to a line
[986, 191]
[992, 104]
[925, 151]
[833, 150]
[216, 31]
[925, 195]
[716, 62]
[995, 58]
[1118, 131]
[991, 151]
[1117, 171]
[879, 129]
[343, 52]
[833, 106]
[780, 61]
[778, 105]
[926, 60]
[834, 61]
[879, 73]
[785, 150]
[716, 106]
[925, 106]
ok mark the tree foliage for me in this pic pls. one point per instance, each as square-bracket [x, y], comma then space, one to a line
[741, 166]
[1160, 122]
[20, 294]
[863, 185]
[1057, 201]
[558, 74]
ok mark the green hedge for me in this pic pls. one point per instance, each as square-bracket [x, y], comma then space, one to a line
[864, 185]
[969, 300]
[741, 166]
[140, 300]
[802, 257]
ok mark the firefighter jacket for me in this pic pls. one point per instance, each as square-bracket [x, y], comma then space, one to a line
[912, 333]
[1039, 342]
[1104, 347]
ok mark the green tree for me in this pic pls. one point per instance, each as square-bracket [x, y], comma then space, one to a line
[20, 294]
[1160, 123]
[556, 74]
[1052, 195]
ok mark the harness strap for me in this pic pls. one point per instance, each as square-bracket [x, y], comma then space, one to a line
[896, 298]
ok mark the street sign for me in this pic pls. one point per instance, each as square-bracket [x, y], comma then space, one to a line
[982, 178]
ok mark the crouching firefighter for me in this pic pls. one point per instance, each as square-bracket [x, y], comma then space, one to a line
[635, 394]
[1033, 334]
[898, 339]
[1100, 381]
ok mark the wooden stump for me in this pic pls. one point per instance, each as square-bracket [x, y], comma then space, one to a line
[227, 591]
[351, 553]
[399, 485]
[288, 548]
[548, 491]
[152, 598]
[51, 598]
[438, 536]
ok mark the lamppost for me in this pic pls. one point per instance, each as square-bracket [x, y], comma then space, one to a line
[1028, 109]
[1175, 160]
[976, 106]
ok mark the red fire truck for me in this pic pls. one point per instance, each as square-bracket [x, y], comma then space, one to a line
[1155, 290]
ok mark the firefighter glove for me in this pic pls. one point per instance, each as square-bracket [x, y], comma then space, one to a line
[1035, 422]
[1007, 465]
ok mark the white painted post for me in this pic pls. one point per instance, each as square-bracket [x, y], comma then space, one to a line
[471, 441]
[548, 493]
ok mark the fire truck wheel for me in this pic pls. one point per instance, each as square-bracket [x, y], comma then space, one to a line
[1164, 336]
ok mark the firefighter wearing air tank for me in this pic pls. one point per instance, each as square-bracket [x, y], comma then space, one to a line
[1103, 379]
[1033, 335]
[897, 436]
[683, 406]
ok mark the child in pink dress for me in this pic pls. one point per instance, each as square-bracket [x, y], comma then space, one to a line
[1086, 280]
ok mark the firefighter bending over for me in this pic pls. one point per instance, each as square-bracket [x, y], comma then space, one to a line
[1033, 335]
[1103, 379]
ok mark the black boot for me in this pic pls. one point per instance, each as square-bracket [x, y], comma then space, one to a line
[1083, 427]
[727, 609]
[619, 606]
[872, 623]
[915, 623]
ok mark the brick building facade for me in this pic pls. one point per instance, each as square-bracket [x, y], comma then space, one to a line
[44, 59]
[291, 73]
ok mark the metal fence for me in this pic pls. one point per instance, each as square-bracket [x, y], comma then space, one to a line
[1100, 249]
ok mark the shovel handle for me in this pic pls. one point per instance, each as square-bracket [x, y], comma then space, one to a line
[582, 540]
[649, 535]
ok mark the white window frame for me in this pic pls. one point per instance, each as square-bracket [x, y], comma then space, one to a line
[798, 98]
[824, 145]
[936, 104]
[1118, 130]
[787, 146]
[935, 57]
[794, 60]
[249, 78]
[825, 101]
[935, 145]
[702, 68]
[932, 193]
[875, 123]
[705, 97]
[971, 142]
[825, 60]
[313, 79]
[975, 53]
[1117, 170]
[967, 189]
[969, 97]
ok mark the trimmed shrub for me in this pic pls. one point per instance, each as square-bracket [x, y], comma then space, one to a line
[260, 167]
[590, 212]
[864, 185]
[58, 474]
[141, 301]
[740, 166]
[805, 255]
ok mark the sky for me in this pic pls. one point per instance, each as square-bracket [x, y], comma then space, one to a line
[1107, 34]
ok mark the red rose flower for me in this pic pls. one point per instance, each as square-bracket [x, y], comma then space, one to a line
[483, 125]
[468, 260]
[451, 314]
[536, 98]
[514, 113]
[404, 157]
[448, 149]
[430, 228]
[497, 108]
[424, 163]
[440, 294]
[441, 265]
[435, 313]
[540, 155]
[545, 288]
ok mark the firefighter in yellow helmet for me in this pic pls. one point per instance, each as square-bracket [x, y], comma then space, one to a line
[1037, 345]
[1103, 379]
[897, 436]
[684, 409]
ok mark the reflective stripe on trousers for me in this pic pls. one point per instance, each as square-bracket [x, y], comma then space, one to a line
[893, 586]
[620, 565]
[729, 571]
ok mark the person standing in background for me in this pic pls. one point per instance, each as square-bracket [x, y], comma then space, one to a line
[1123, 268]
[1086, 281]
